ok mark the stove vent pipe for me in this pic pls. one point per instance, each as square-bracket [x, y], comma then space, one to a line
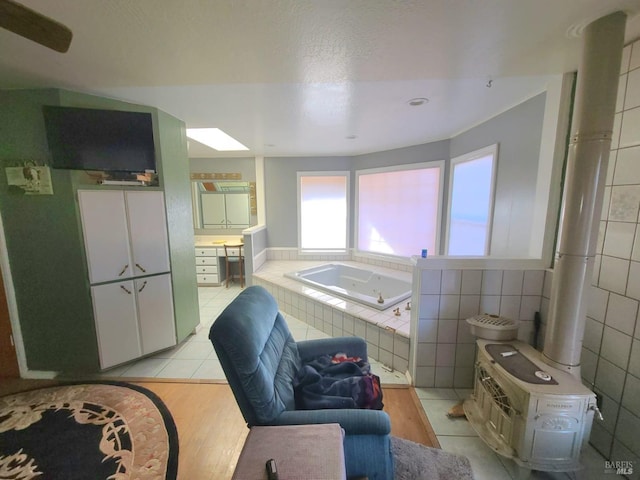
[588, 157]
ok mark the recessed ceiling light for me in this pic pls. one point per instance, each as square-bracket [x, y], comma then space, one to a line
[351, 137]
[416, 102]
[216, 139]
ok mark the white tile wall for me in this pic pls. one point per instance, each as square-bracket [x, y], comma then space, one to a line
[471, 282]
[626, 167]
[632, 93]
[614, 273]
[619, 239]
[616, 347]
[624, 203]
[634, 54]
[446, 349]
[611, 352]
[622, 86]
[630, 129]
[621, 313]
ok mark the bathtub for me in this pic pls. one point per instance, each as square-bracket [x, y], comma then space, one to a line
[357, 284]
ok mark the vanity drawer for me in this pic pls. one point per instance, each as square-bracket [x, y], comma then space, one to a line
[206, 252]
[207, 269]
[206, 261]
[233, 252]
[208, 279]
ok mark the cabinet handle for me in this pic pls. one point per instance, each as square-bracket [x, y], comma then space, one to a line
[124, 269]
[138, 265]
[125, 289]
[142, 287]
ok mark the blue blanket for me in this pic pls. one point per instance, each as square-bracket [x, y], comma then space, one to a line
[337, 382]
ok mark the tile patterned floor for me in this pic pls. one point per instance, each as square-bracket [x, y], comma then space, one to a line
[457, 436]
[195, 358]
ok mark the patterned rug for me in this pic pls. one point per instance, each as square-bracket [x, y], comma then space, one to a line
[114, 431]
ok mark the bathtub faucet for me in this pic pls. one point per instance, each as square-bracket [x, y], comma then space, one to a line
[380, 299]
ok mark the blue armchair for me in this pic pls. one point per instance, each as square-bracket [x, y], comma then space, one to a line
[260, 359]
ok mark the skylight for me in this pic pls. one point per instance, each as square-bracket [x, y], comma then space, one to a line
[215, 138]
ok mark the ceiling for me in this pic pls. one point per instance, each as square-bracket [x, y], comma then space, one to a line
[312, 77]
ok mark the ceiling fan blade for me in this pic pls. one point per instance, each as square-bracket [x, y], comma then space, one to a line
[32, 25]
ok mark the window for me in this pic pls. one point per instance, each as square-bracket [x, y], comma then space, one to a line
[399, 209]
[323, 210]
[471, 202]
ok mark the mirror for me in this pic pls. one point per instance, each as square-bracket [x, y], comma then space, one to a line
[223, 204]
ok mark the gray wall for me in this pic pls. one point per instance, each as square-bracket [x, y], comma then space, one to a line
[427, 152]
[518, 131]
[281, 193]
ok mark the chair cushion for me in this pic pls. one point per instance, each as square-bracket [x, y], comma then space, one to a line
[258, 354]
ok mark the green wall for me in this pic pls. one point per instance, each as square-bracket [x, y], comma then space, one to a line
[44, 235]
[177, 190]
[43, 243]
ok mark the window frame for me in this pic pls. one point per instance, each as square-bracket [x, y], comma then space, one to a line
[328, 173]
[468, 157]
[441, 164]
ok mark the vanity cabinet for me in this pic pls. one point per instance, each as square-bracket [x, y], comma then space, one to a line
[207, 266]
[127, 251]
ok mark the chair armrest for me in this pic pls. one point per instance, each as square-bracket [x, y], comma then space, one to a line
[352, 346]
[353, 421]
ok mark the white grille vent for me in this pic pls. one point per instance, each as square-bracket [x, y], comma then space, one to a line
[493, 327]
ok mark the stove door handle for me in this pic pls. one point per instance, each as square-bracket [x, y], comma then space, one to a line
[596, 411]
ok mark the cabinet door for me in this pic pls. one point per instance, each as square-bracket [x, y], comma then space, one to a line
[155, 313]
[237, 208]
[148, 232]
[213, 211]
[106, 238]
[114, 307]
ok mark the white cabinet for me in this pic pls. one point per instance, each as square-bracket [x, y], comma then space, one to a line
[207, 266]
[127, 251]
[225, 210]
[155, 313]
[125, 233]
[133, 318]
[213, 211]
[106, 237]
[237, 210]
[114, 308]
[148, 232]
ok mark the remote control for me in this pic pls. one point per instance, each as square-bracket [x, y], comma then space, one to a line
[272, 472]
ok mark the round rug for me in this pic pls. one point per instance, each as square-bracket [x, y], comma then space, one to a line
[114, 431]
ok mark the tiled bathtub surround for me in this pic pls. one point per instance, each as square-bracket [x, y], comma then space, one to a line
[373, 260]
[445, 349]
[611, 346]
[387, 335]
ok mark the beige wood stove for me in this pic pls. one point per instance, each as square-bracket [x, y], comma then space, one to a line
[528, 411]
